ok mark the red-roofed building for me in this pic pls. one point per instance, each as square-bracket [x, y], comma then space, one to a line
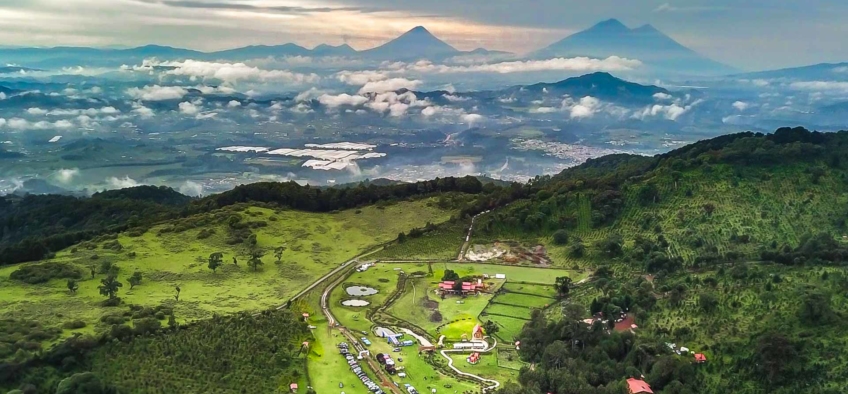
[293, 387]
[636, 386]
[464, 288]
[700, 358]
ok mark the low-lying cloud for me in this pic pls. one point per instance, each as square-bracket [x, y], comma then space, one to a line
[157, 93]
[577, 64]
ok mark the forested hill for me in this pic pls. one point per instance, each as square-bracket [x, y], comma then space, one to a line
[735, 197]
[734, 248]
[33, 226]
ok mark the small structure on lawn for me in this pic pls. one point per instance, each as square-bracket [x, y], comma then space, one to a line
[305, 316]
[517, 345]
[293, 387]
[477, 332]
[637, 386]
[474, 358]
[700, 358]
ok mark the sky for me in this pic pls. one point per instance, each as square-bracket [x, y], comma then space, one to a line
[749, 34]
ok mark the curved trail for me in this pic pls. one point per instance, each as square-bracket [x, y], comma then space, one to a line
[495, 383]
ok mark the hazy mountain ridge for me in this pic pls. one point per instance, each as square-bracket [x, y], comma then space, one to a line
[645, 43]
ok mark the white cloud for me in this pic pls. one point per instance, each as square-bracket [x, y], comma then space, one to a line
[821, 86]
[236, 72]
[307, 95]
[2, 122]
[429, 111]
[582, 64]
[142, 111]
[544, 110]
[35, 111]
[741, 105]
[471, 119]
[157, 93]
[398, 109]
[342, 99]
[192, 189]
[23, 124]
[454, 99]
[66, 175]
[121, 183]
[233, 104]
[585, 108]
[842, 69]
[188, 108]
[2, 96]
[670, 112]
[359, 78]
[389, 85]
[662, 96]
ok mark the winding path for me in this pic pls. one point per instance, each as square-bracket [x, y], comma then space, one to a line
[494, 383]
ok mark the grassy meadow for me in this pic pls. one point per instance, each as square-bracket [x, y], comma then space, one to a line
[176, 254]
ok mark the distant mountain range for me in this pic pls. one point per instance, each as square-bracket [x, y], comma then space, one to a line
[647, 44]
[415, 44]
[820, 72]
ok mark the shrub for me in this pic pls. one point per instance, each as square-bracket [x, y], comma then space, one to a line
[73, 324]
[41, 273]
[113, 318]
[560, 237]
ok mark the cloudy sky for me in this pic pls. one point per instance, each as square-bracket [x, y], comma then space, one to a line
[751, 34]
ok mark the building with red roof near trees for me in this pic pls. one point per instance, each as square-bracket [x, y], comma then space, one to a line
[464, 288]
[636, 386]
[700, 358]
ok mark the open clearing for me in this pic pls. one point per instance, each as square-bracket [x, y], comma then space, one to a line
[172, 255]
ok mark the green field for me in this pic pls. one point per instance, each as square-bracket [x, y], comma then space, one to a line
[171, 255]
[508, 310]
[524, 300]
[382, 277]
[510, 327]
[443, 243]
[456, 318]
[543, 291]
[487, 367]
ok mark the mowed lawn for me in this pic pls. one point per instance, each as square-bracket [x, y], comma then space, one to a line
[487, 367]
[315, 244]
[382, 277]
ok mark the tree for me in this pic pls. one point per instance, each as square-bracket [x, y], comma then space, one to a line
[177, 296]
[560, 237]
[215, 260]
[93, 270]
[577, 250]
[109, 286]
[450, 275]
[775, 357]
[278, 253]
[82, 383]
[401, 238]
[563, 285]
[255, 259]
[73, 286]
[816, 308]
[235, 260]
[707, 302]
[490, 327]
[135, 279]
[709, 208]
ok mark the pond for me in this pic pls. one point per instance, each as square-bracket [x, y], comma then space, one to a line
[360, 291]
[355, 303]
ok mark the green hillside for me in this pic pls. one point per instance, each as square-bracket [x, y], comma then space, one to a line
[733, 248]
